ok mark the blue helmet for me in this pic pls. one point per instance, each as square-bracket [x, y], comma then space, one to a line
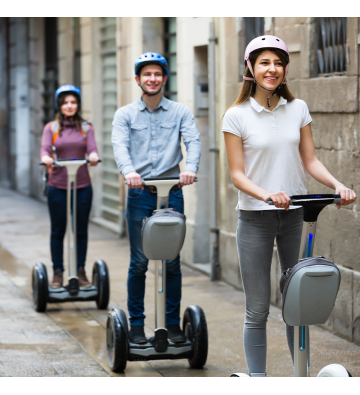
[66, 88]
[151, 58]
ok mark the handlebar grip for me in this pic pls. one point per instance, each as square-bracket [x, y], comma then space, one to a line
[296, 199]
[87, 160]
[271, 203]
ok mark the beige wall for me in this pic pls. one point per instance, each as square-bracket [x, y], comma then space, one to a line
[131, 46]
[227, 86]
[65, 51]
[192, 39]
[87, 73]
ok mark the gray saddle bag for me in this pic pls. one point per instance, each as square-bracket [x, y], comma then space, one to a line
[163, 235]
[309, 291]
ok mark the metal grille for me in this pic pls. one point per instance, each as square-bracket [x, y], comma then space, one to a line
[110, 180]
[331, 45]
[170, 55]
[254, 27]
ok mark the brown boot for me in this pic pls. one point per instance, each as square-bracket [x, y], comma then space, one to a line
[83, 281]
[57, 281]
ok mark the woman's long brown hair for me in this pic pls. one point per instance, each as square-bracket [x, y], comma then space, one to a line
[77, 118]
[248, 87]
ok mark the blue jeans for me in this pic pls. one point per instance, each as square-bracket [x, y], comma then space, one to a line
[141, 204]
[255, 236]
[57, 209]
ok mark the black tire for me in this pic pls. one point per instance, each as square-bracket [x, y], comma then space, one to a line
[117, 341]
[100, 278]
[195, 328]
[40, 287]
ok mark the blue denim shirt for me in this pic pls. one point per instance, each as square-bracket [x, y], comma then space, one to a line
[148, 142]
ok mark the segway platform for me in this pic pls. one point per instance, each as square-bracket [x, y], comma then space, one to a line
[147, 352]
[62, 294]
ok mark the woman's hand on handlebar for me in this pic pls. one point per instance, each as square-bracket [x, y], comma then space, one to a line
[280, 199]
[187, 178]
[49, 162]
[134, 180]
[348, 196]
[93, 158]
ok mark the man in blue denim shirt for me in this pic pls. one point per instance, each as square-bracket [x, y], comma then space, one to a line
[146, 137]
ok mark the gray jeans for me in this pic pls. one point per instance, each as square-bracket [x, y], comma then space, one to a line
[255, 234]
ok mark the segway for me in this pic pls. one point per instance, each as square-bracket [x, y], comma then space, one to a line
[99, 291]
[309, 289]
[162, 239]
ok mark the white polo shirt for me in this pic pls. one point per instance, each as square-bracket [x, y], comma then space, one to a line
[270, 142]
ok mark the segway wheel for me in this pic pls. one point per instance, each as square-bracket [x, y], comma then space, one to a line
[40, 286]
[239, 375]
[117, 340]
[334, 370]
[195, 328]
[100, 278]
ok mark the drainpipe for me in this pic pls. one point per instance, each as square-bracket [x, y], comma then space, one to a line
[122, 195]
[213, 155]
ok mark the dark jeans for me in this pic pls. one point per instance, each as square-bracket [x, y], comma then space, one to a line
[141, 204]
[256, 232]
[57, 209]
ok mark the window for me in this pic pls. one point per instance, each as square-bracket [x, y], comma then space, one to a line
[248, 29]
[254, 27]
[170, 55]
[331, 45]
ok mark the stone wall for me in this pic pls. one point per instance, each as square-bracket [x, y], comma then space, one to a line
[36, 88]
[4, 116]
[22, 101]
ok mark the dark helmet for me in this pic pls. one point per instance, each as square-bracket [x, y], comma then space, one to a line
[151, 58]
[69, 89]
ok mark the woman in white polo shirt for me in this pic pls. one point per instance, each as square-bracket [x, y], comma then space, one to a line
[268, 143]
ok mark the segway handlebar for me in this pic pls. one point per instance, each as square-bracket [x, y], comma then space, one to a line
[320, 199]
[63, 160]
[161, 179]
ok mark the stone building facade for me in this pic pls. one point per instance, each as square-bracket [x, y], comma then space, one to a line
[98, 54]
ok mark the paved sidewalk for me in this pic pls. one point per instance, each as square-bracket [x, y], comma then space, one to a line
[69, 339]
